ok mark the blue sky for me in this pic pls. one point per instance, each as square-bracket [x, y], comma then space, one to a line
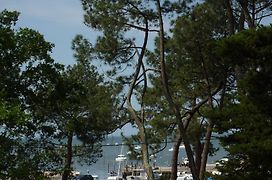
[58, 20]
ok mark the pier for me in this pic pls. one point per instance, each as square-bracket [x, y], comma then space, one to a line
[209, 168]
[165, 171]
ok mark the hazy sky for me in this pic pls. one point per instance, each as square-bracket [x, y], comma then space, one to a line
[58, 20]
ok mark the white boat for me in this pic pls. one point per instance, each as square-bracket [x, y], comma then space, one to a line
[95, 177]
[140, 174]
[129, 152]
[185, 162]
[138, 147]
[121, 158]
[180, 147]
[185, 176]
[114, 178]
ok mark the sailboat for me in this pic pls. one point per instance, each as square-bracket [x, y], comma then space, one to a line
[120, 159]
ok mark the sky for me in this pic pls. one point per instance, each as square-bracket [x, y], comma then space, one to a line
[59, 21]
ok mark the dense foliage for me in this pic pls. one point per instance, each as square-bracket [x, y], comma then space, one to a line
[247, 116]
[43, 106]
[178, 70]
[27, 73]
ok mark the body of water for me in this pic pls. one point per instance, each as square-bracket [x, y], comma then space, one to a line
[107, 162]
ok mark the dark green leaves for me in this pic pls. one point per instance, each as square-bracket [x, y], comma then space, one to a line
[247, 117]
[27, 73]
[8, 18]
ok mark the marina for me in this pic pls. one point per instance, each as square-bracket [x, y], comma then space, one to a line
[107, 164]
[116, 160]
[139, 173]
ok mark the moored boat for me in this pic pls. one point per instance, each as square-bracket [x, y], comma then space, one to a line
[185, 176]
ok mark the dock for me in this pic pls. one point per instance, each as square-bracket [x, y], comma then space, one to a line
[209, 168]
[166, 169]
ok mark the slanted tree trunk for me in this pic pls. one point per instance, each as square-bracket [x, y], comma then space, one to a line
[230, 15]
[174, 167]
[145, 154]
[168, 96]
[198, 151]
[250, 18]
[140, 120]
[144, 146]
[205, 152]
[69, 155]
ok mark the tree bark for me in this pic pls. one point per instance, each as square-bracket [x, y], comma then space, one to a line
[68, 161]
[145, 154]
[250, 20]
[168, 96]
[140, 120]
[174, 167]
[198, 151]
[230, 16]
[205, 152]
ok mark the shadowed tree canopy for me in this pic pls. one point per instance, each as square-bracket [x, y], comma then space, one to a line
[247, 117]
[43, 107]
[27, 73]
[127, 27]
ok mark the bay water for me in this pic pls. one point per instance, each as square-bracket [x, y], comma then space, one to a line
[112, 148]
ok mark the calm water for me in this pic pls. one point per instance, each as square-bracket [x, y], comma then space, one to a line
[107, 162]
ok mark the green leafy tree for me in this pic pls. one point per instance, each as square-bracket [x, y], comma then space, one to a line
[119, 19]
[27, 72]
[193, 81]
[125, 53]
[80, 106]
[194, 36]
[243, 14]
[247, 119]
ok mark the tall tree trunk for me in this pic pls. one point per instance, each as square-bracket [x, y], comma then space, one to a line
[230, 15]
[189, 152]
[198, 151]
[241, 23]
[168, 96]
[140, 120]
[145, 154]
[250, 20]
[205, 152]
[174, 167]
[68, 160]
